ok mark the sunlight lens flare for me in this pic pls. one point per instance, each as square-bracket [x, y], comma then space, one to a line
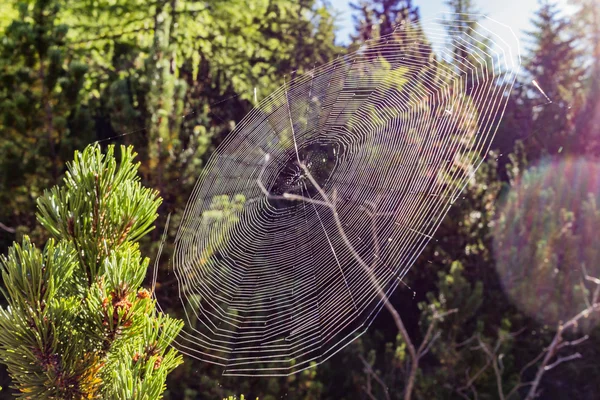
[546, 240]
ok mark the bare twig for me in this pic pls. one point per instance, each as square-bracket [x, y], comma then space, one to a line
[430, 344]
[494, 362]
[574, 342]
[7, 228]
[492, 358]
[475, 396]
[558, 342]
[471, 380]
[561, 360]
[372, 373]
[517, 387]
[428, 340]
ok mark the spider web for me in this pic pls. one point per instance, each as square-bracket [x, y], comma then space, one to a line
[389, 135]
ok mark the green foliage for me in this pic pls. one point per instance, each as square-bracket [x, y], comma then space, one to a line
[147, 74]
[40, 107]
[236, 398]
[77, 324]
[172, 77]
[121, 213]
[159, 62]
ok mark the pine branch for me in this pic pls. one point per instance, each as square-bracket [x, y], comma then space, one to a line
[78, 324]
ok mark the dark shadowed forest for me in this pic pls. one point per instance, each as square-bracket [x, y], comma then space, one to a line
[503, 303]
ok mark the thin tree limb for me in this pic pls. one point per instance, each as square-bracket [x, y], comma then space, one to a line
[558, 341]
[7, 228]
[372, 373]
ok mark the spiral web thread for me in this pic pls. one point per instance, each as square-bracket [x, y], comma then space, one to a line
[391, 134]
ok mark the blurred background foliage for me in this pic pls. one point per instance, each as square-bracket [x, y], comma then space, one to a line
[173, 77]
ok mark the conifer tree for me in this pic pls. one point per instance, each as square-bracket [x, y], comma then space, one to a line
[380, 17]
[78, 325]
[40, 106]
[587, 23]
[555, 64]
[465, 13]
